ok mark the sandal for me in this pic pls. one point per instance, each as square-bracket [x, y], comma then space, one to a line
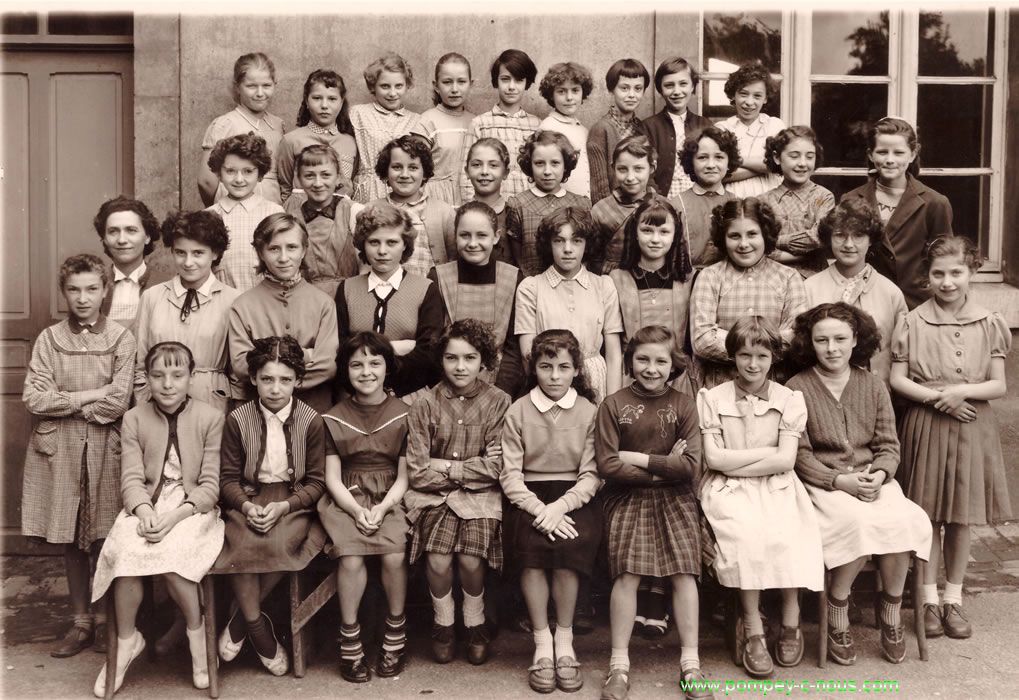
[567, 674]
[542, 675]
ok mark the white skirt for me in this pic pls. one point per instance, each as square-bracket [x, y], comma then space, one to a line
[766, 532]
[851, 528]
[189, 549]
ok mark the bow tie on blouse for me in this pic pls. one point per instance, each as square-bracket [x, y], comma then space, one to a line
[309, 211]
[191, 303]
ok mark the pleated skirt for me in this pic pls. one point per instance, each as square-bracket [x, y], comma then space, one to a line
[653, 531]
[527, 548]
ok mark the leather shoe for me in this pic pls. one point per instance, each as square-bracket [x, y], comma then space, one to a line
[617, 685]
[443, 643]
[477, 644]
[355, 671]
[841, 649]
[756, 659]
[567, 674]
[789, 646]
[693, 685]
[956, 626]
[932, 621]
[893, 643]
[76, 639]
[541, 676]
[100, 640]
[389, 663]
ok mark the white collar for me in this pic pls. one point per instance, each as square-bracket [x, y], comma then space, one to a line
[394, 281]
[205, 290]
[561, 192]
[283, 414]
[555, 278]
[544, 404]
[563, 119]
[135, 276]
[248, 204]
[677, 117]
[719, 188]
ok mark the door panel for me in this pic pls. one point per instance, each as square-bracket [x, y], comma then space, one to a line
[67, 142]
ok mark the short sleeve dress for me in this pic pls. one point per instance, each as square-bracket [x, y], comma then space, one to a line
[765, 527]
[751, 141]
[369, 440]
[954, 470]
[240, 121]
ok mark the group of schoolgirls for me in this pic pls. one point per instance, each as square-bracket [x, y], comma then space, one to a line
[337, 373]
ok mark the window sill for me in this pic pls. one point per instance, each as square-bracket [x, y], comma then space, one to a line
[1000, 297]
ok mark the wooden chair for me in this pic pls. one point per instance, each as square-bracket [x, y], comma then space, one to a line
[918, 626]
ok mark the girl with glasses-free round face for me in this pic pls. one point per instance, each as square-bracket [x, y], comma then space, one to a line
[255, 89]
[367, 374]
[324, 104]
[548, 168]
[486, 171]
[833, 341]
[383, 249]
[710, 163]
[390, 89]
[475, 238]
[125, 239]
[744, 242]
[555, 374]
[651, 366]
[461, 364]
[655, 243]
[753, 362]
[632, 174]
[891, 156]
[627, 94]
[568, 251]
[193, 261]
[452, 84]
[284, 253]
[406, 176]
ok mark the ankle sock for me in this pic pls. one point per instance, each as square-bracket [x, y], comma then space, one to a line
[543, 644]
[444, 609]
[930, 594]
[350, 643]
[753, 625]
[261, 638]
[396, 633]
[196, 644]
[688, 658]
[619, 659]
[564, 642]
[890, 606]
[953, 593]
[838, 614]
[474, 609]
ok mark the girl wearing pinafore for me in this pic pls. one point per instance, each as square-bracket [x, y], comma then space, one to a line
[948, 359]
[766, 533]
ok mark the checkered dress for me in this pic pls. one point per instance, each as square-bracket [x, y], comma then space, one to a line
[724, 293]
[237, 268]
[800, 212]
[374, 127]
[651, 516]
[524, 213]
[71, 490]
[512, 130]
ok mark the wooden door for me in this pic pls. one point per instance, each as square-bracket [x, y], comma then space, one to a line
[67, 145]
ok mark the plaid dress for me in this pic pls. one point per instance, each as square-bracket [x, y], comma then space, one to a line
[374, 127]
[71, 488]
[651, 515]
[524, 213]
[512, 130]
[237, 267]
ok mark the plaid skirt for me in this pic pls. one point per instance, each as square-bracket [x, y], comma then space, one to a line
[441, 531]
[653, 531]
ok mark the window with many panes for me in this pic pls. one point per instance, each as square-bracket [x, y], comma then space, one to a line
[941, 70]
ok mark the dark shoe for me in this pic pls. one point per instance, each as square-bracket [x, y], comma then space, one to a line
[583, 620]
[956, 626]
[567, 674]
[100, 641]
[841, 649]
[541, 676]
[355, 671]
[76, 639]
[739, 640]
[389, 663]
[172, 638]
[443, 643]
[694, 685]
[789, 646]
[932, 621]
[893, 643]
[477, 644]
[617, 685]
[755, 658]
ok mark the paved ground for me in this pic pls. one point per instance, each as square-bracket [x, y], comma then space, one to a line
[34, 609]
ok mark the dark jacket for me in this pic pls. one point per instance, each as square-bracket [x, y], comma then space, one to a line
[921, 216]
[663, 137]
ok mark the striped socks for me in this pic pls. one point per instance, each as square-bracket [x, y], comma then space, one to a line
[396, 633]
[838, 614]
[890, 606]
[351, 649]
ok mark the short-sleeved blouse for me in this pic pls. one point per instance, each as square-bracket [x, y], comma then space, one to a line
[751, 141]
[586, 305]
[238, 121]
[751, 421]
[944, 348]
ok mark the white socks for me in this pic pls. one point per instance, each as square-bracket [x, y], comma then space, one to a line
[953, 594]
[199, 661]
[688, 658]
[542, 644]
[930, 594]
[564, 642]
[619, 659]
[444, 609]
[474, 609]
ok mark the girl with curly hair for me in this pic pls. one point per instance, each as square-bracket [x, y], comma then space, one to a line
[707, 158]
[565, 87]
[749, 88]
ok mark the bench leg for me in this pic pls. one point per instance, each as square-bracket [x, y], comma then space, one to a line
[919, 571]
[296, 625]
[822, 624]
[211, 655]
[111, 645]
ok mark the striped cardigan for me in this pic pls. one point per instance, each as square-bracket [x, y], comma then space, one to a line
[243, 450]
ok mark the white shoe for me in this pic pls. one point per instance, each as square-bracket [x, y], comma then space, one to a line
[278, 664]
[199, 660]
[127, 652]
[228, 648]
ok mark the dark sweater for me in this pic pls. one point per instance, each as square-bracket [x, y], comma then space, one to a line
[662, 135]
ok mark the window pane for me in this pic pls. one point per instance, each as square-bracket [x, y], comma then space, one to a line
[717, 106]
[956, 43]
[850, 43]
[734, 38]
[19, 23]
[839, 184]
[840, 114]
[971, 204]
[96, 23]
[954, 122]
